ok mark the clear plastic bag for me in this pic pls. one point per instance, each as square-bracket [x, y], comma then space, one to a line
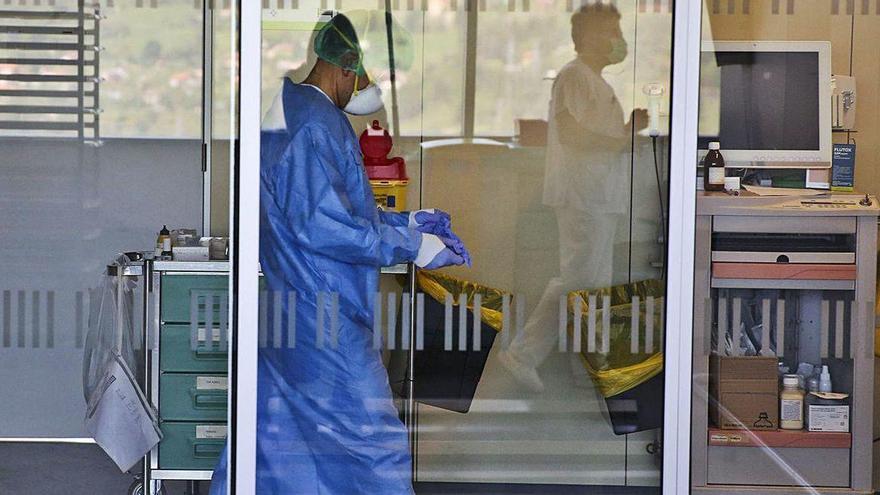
[112, 329]
[118, 415]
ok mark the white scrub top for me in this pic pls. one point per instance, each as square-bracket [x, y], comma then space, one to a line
[592, 179]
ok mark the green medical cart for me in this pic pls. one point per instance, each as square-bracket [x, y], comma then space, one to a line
[186, 362]
[186, 314]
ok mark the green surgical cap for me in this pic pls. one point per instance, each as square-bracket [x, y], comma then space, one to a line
[337, 43]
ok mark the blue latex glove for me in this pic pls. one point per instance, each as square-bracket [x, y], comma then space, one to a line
[454, 243]
[431, 221]
[439, 223]
[445, 258]
[435, 253]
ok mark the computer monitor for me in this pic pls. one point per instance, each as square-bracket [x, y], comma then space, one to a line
[767, 102]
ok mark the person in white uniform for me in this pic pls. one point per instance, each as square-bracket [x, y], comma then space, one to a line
[586, 180]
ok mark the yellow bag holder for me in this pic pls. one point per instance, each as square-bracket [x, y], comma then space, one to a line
[438, 285]
[613, 373]
[619, 369]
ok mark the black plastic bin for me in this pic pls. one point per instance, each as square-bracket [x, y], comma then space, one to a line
[448, 378]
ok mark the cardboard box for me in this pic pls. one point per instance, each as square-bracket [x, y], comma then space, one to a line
[190, 253]
[744, 392]
[531, 132]
[828, 418]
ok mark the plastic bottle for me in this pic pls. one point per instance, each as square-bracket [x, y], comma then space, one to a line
[791, 404]
[825, 380]
[165, 240]
[713, 179]
[159, 242]
[813, 384]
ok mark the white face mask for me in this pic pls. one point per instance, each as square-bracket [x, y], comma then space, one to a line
[365, 102]
[618, 51]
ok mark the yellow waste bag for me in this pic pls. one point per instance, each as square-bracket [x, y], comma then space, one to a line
[612, 364]
[438, 286]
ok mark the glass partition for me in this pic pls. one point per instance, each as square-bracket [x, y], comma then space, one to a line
[561, 205]
[542, 130]
[108, 379]
[786, 242]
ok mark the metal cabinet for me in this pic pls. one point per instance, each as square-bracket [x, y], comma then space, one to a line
[191, 446]
[186, 316]
[186, 363]
[178, 354]
[795, 279]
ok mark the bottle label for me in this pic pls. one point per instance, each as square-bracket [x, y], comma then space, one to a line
[716, 176]
[792, 410]
[166, 244]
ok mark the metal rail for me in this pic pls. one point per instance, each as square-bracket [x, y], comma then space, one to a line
[48, 78]
[39, 29]
[39, 45]
[44, 61]
[74, 41]
[39, 109]
[43, 93]
[43, 14]
[39, 125]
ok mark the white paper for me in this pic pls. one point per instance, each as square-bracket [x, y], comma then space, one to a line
[781, 191]
[120, 421]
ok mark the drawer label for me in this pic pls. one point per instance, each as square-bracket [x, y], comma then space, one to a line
[212, 383]
[205, 432]
[716, 438]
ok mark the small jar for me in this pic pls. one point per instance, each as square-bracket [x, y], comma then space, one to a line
[791, 404]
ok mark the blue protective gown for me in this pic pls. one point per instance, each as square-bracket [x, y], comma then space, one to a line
[326, 420]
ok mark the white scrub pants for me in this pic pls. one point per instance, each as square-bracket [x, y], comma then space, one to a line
[586, 261]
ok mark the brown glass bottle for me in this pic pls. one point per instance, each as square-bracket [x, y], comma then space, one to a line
[713, 177]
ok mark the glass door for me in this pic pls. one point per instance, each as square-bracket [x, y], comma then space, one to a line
[557, 182]
[785, 251]
[542, 130]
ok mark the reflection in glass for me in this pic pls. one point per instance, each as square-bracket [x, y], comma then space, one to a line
[585, 179]
[562, 223]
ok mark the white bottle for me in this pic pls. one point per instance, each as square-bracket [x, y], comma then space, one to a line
[791, 404]
[825, 380]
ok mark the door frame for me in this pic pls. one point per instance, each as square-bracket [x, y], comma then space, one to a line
[684, 116]
[244, 229]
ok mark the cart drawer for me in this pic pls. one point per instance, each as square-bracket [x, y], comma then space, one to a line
[191, 445]
[176, 352]
[192, 397]
[779, 466]
[179, 290]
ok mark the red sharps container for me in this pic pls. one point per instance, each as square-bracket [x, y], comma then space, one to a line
[387, 175]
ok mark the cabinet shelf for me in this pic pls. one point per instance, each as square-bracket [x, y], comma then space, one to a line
[801, 439]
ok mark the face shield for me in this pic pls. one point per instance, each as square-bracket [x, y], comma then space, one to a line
[372, 30]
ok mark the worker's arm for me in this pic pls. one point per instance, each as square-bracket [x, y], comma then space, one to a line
[393, 218]
[572, 133]
[310, 189]
[583, 116]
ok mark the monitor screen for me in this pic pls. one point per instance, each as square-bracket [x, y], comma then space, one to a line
[760, 100]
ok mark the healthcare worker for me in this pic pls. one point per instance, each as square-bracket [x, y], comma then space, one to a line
[586, 181]
[326, 423]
